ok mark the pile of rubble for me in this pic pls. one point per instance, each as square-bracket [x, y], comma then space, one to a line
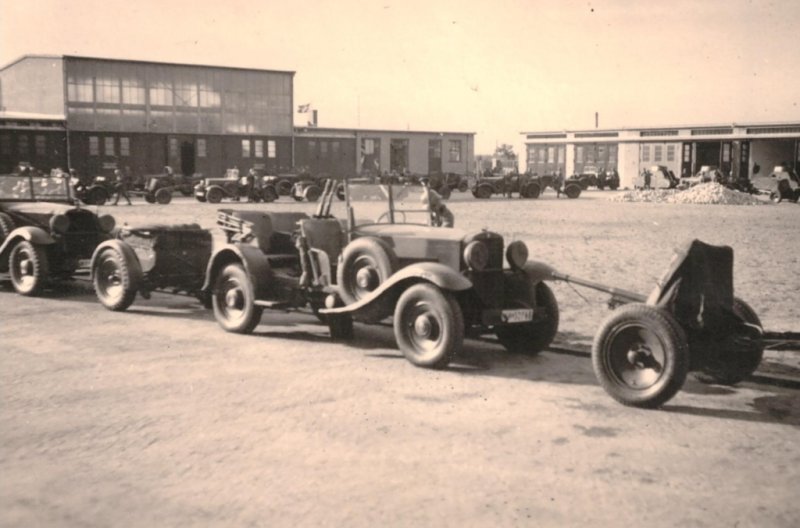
[705, 193]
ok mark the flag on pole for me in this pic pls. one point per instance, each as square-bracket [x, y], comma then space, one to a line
[303, 109]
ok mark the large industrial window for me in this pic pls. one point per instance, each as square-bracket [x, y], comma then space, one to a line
[22, 146]
[323, 148]
[245, 148]
[109, 146]
[132, 91]
[455, 150]
[259, 148]
[579, 154]
[562, 154]
[80, 89]
[201, 148]
[209, 98]
[186, 94]
[107, 90]
[670, 152]
[94, 146]
[334, 148]
[726, 152]
[161, 94]
[645, 152]
[551, 154]
[657, 151]
[41, 145]
[271, 148]
[369, 146]
[124, 146]
[173, 148]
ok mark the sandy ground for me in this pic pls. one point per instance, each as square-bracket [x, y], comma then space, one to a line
[156, 417]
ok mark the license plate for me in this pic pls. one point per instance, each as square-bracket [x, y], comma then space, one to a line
[522, 315]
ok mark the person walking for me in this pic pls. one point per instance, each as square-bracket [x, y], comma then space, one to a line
[123, 181]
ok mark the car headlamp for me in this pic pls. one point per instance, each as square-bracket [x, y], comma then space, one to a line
[517, 254]
[476, 255]
[106, 223]
[59, 223]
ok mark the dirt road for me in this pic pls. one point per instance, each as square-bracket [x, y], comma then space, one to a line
[156, 417]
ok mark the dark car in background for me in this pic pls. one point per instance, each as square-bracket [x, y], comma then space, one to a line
[44, 235]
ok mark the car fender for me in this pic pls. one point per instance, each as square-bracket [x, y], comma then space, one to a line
[538, 271]
[33, 234]
[131, 260]
[255, 263]
[440, 275]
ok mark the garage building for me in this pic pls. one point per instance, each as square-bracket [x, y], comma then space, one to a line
[143, 115]
[741, 150]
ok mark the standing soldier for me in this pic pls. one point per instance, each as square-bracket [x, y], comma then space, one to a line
[121, 187]
[442, 216]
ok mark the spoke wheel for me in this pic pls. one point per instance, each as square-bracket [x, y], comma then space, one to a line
[366, 263]
[640, 356]
[112, 281]
[428, 326]
[233, 301]
[28, 267]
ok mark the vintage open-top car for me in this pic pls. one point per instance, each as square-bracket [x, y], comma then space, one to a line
[438, 284]
[44, 236]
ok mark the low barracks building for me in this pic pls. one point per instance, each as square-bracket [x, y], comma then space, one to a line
[738, 149]
[97, 114]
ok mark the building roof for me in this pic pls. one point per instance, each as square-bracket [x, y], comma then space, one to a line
[329, 130]
[667, 127]
[134, 61]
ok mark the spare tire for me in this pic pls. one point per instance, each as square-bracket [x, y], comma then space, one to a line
[366, 263]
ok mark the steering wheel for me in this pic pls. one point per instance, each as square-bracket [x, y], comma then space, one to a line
[385, 216]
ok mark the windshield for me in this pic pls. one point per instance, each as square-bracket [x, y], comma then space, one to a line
[371, 203]
[34, 187]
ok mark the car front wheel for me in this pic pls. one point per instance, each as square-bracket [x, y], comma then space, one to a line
[112, 279]
[535, 336]
[233, 301]
[428, 326]
[28, 267]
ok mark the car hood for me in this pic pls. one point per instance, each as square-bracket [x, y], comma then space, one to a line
[37, 210]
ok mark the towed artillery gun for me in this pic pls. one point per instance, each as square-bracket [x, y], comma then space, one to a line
[691, 321]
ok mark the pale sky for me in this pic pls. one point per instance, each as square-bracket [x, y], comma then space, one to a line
[495, 68]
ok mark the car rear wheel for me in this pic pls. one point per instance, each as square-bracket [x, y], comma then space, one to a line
[312, 193]
[97, 196]
[163, 196]
[535, 336]
[640, 355]
[214, 195]
[366, 263]
[532, 190]
[285, 187]
[233, 301]
[269, 194]
[29, 268]
[463, 186]
[428, 326]
[113, 283]
[573, 190]
[483, 192]
[149, 198]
